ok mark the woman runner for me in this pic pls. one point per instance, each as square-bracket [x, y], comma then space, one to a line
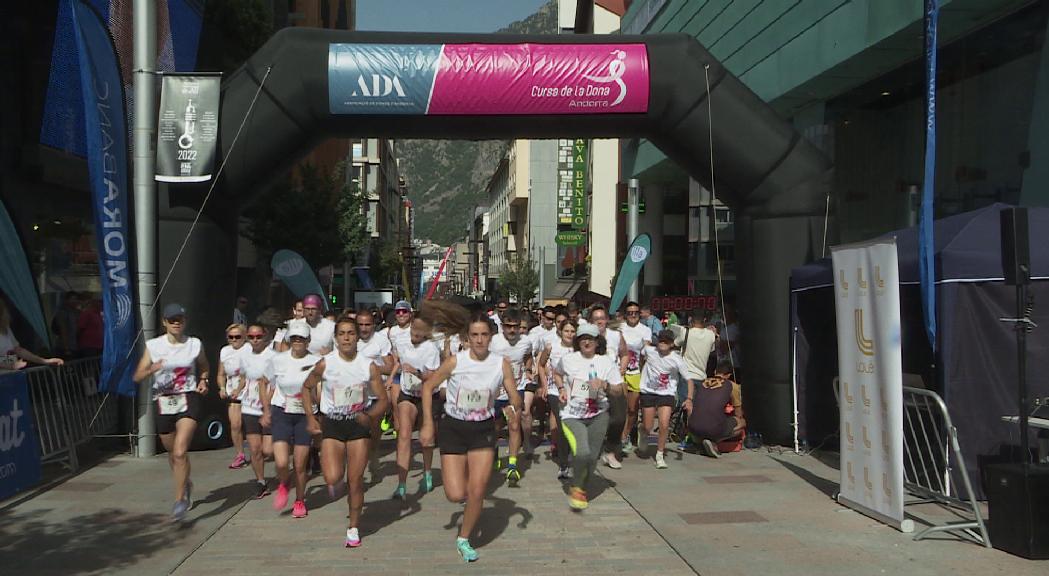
[231, 386]
[659, 381]
[636, 336]
[287, 417]
[550, 357]
[258, 374]
[180, 380]
[349, 377]
[584, 379]
[468, 429]
[415, 362]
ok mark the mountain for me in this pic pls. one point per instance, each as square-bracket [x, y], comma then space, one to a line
[447, 178]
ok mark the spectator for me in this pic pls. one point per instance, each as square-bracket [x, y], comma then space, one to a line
[89, 329]
[12, 355]
[64, 325]
[240, 312]
[649, 320]
[500, 308]
[715, 410]
[696, 344]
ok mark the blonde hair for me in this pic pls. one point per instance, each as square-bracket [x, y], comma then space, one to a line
[452, 318]
[236, 326]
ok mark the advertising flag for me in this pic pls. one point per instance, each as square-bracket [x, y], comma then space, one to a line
[187, 128]
[639, 251]
[297, 275]
[107, 162]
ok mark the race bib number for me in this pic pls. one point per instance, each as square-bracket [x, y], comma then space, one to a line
[410, 382]
[293, 405]
[473, 400]
[171, 405]
[663, 382]
[581, 390]
[632, 363]
[350, 399]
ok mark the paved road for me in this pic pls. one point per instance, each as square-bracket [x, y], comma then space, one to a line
[748, 513]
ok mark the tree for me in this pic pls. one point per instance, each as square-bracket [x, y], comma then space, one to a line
[520, 279]
[386, 265]
[319, 218]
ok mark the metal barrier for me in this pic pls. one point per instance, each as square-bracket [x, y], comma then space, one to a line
[933, 460]
[69, 409]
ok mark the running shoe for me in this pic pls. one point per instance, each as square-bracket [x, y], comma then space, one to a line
[611, 461]
[569, 474]
[710, 449]
[466, 552]
[178, 512]
[399, 493]
[280, 500]
[238, 462]
[627, 447]
[577, 499]
[385, 425]
[427, 482]
[661, 463]
[684, 445]
[642, 442]
[353, 538]
[261, 490]
[512, 474]
[562, 473]
[298, 510]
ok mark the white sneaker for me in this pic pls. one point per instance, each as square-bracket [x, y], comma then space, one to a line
[660, 462]
[611, 461]
[642, 442]
[710, 449]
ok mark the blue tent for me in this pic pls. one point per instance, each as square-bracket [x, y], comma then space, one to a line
[975, 370]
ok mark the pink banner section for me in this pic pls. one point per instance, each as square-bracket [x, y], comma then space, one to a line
[541, 79]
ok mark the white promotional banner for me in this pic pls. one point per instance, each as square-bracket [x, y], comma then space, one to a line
[870, 380]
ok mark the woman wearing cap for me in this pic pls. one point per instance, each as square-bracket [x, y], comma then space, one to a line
[584, 380]
[636, 337]
[474, 377]
[414, 362]
[348, 378]
[231, 386]
[400, 334]
[287, 417]
[180, 379]
[664, 368]
[550, 357]
[257, 370]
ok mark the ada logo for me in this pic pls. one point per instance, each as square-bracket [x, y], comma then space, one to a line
[381, 85]
[381, 78]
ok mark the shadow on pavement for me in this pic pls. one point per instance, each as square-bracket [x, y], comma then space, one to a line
[101, 542]
[828, 487]
[226, 497]
[494, 520]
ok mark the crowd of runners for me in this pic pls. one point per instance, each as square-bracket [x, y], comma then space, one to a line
[318, 392]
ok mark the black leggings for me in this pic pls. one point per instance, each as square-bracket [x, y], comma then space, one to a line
[554, 402]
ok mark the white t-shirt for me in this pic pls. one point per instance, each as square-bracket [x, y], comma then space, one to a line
[279, 336]
[662, 373]
[399, 336]
[322, 336]
[289, 373]
[255, 367]
[557, 351]
[613, 337]
[517, 354]
[541, 337]
[426, 358]
[178, 374]
[473, 387]
[455, 344]
[577, 372]
[232, 364]
[637, 337]
[346, 385]
[375, 349]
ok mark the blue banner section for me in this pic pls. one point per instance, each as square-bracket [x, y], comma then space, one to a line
[107, 162]
[16, 280]
[19, 452]
[297, 275]
[381, 78]
[926, 247]
[639, 251]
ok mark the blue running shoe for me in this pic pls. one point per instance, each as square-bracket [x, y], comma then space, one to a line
[466, 551]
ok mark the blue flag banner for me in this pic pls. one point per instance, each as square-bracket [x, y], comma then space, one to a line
[107, 161]
[926, 247]
[297, 275]
[636, 255]
[16, 279]
[19, 454]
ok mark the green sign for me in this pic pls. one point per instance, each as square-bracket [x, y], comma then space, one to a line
[580, 164]
[570, 238]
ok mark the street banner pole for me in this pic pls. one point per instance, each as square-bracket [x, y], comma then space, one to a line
[631, 228]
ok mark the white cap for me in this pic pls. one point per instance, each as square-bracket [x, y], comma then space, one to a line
[298, 328]
[587, 330]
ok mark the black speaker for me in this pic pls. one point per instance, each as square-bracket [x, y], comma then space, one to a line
[1016, 249]
[1019, 519]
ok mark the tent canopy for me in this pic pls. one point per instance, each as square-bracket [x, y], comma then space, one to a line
[968, 247]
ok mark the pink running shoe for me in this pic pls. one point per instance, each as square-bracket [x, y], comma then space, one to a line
[353, 538]
[299, 509]
[238, 462]
[280, 500]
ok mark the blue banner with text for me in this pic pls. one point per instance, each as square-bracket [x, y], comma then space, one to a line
[19, 452]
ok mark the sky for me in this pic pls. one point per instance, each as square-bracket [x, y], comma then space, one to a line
[442, 15]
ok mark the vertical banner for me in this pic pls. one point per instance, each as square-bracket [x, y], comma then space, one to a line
[639, 251]
[295, 272]
[107, 162]
[580, 169]
[926, 249]
[187, 128]
[870, 376]
[19, 454]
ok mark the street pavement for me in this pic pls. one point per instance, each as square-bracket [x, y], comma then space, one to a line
[756, 512]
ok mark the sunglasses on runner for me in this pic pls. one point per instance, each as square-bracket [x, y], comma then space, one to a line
[234, 336]
[256, 336]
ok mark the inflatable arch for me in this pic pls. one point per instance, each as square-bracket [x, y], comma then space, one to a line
[325, 83]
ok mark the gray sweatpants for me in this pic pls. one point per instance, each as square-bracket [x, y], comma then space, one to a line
[584, 438]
